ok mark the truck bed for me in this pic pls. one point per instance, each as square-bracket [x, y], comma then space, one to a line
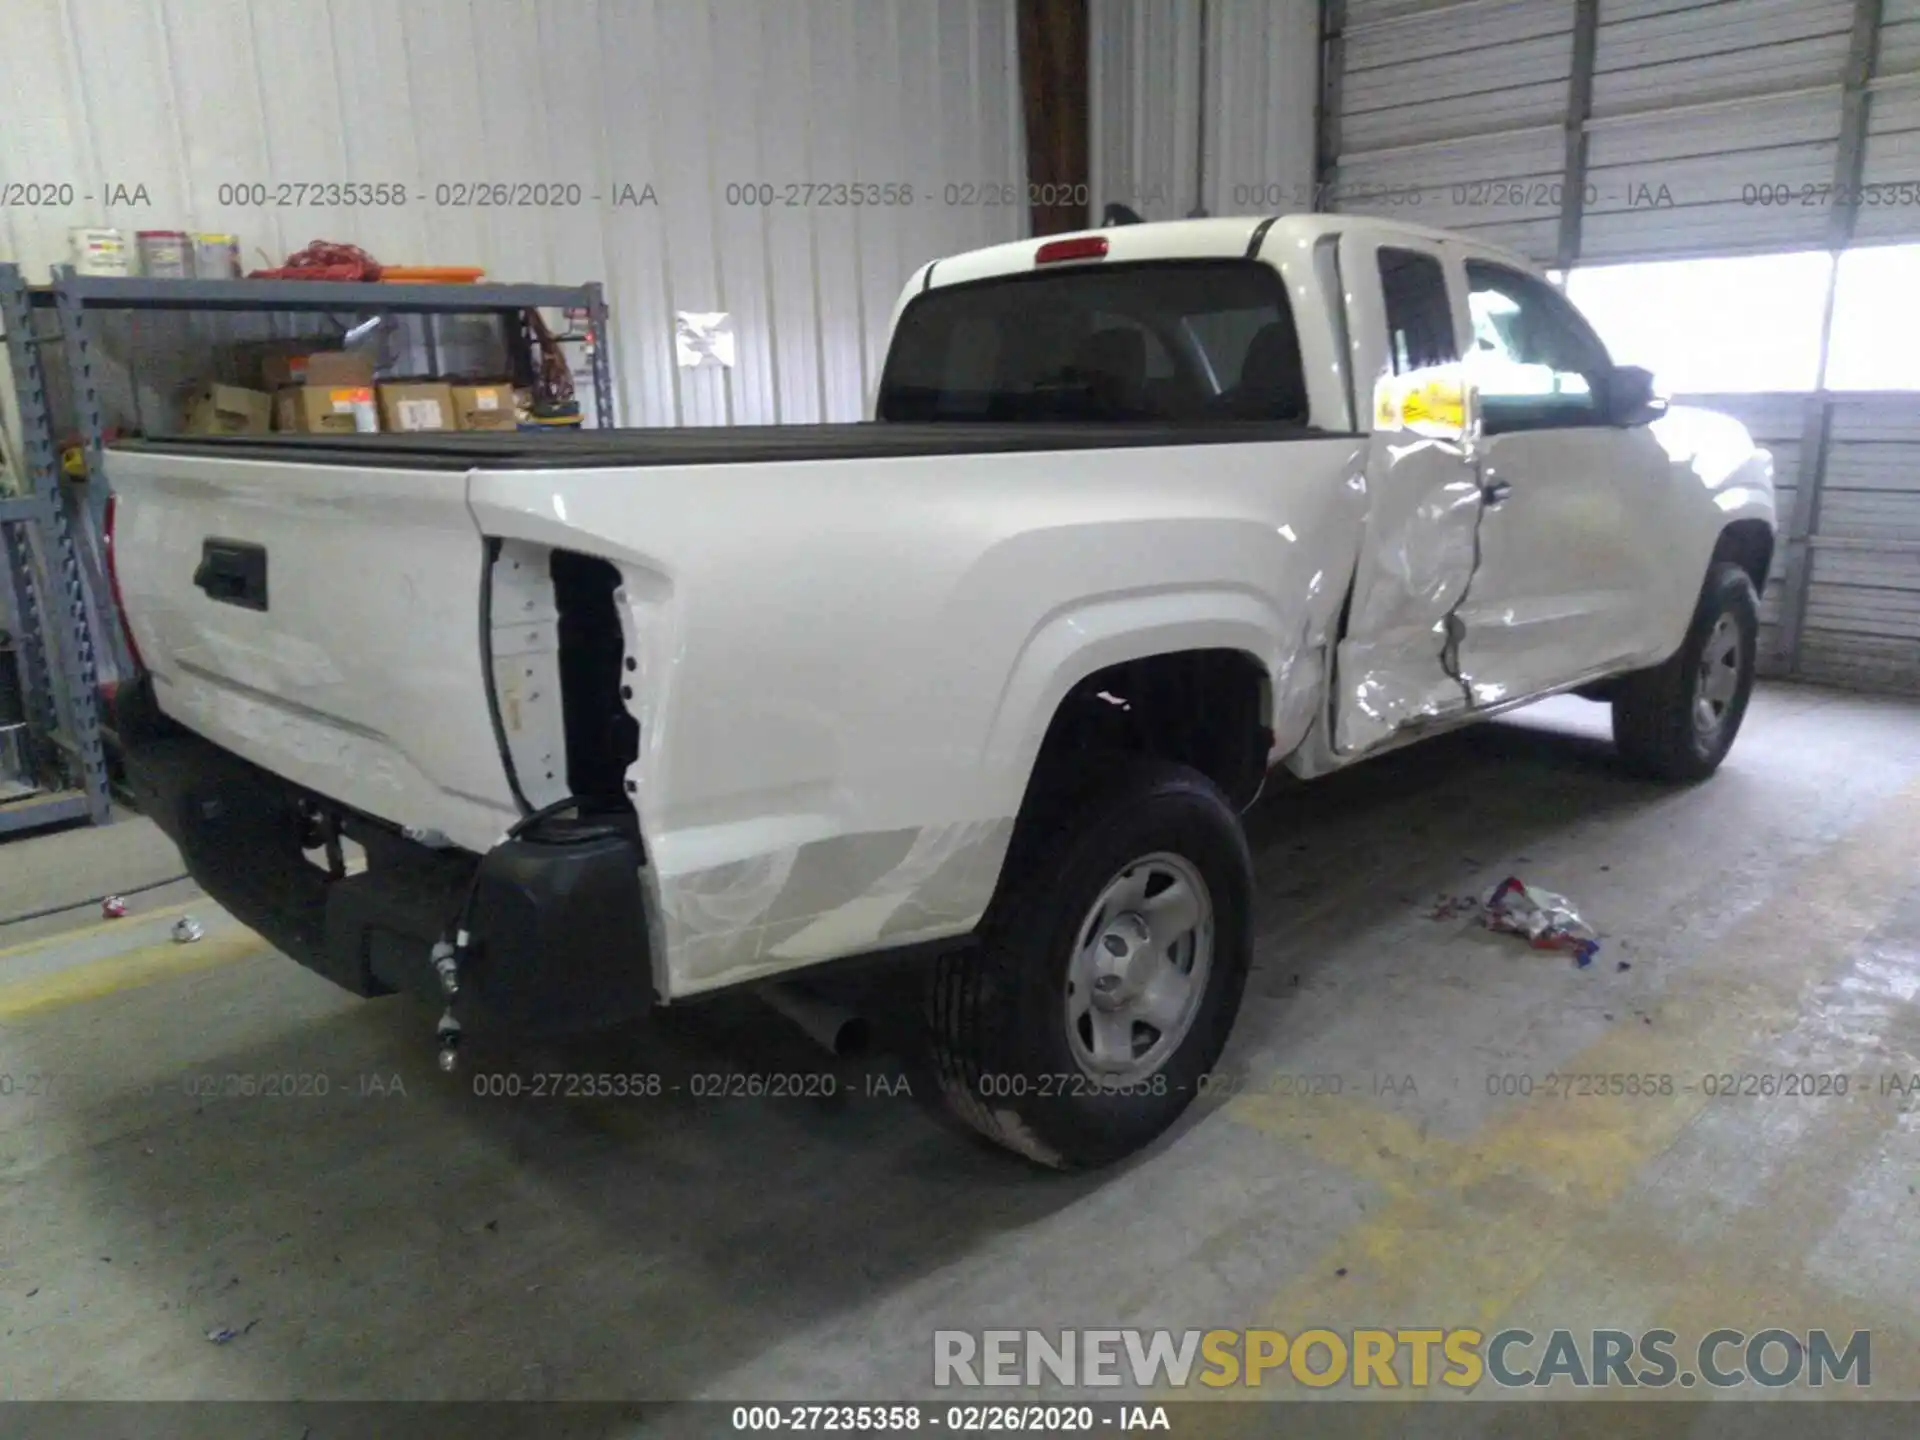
[708, 444]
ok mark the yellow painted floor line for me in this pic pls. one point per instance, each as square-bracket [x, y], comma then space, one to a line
[126, 971]
[1471, 1226]
[82, 932]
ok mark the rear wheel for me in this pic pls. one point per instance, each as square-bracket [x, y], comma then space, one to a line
[1677, 721]
[1108, 973]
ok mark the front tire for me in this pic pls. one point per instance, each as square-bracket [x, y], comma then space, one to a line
[1108, 972]
[1677, 721]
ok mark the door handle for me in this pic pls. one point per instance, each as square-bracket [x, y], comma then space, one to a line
[233, 573]
[1495, 492]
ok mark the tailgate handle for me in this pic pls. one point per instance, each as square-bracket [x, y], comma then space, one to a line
[233, 573]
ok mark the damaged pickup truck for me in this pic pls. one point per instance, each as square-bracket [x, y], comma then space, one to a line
[622, 718]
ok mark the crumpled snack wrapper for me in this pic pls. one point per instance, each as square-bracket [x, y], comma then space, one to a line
[1546, 920]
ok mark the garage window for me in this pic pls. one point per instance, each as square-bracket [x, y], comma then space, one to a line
[1150, 342]
[1745, 323]
[1876, 310]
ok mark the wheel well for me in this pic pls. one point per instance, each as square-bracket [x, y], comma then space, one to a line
[1749, 544]
[1204, 708]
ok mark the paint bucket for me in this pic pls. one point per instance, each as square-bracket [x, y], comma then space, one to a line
[216, 257]
[164, 254]
[97, 251]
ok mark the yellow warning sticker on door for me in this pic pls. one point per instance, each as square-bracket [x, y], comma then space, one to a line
[1432, 402]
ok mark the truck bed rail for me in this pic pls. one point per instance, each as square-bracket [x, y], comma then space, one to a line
[711, 445]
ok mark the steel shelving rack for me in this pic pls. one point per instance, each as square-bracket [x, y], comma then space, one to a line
[55, 581]
[47, 605]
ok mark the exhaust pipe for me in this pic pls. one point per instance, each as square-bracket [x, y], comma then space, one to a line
[839, 1031]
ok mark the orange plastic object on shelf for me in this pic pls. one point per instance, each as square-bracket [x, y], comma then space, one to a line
[431, 274]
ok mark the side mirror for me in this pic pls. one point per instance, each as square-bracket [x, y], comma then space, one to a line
[1629, 396]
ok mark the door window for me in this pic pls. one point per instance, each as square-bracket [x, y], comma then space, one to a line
[1419, 317]
[1537, 364]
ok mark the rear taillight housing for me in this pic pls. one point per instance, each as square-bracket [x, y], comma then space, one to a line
[113, 583]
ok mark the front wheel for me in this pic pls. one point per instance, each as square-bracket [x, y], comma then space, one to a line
[1677, 721]
[1108, 973]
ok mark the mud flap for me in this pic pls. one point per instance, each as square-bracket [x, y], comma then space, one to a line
[1397, 663]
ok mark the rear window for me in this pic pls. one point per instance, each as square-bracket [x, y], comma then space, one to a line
[1191, 340]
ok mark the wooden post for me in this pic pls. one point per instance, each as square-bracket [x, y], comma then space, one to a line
[1053, 93]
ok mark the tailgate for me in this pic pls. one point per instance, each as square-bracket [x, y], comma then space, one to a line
[322, 621]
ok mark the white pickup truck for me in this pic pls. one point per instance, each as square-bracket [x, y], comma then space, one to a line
[623, 718]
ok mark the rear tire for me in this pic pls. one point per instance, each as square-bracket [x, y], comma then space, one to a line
[1107, 974]
[1677, 721]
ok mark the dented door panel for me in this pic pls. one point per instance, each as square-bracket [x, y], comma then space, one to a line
[1396, 665]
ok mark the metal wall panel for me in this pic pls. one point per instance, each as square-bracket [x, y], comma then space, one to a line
[1709, 127]
[1861, 620]
[1892, 163]
[1893, 128]
[1148, 83]
[1654, 56]
[1487, 67]
[1263, 63]
[1695, 107]
[1898, 52]
[1144, 80]
[1451, 115]
[1670, 185]
[1513, 201]
[690, 96]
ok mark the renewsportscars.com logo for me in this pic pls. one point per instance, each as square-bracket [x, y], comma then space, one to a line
[1383, 1359]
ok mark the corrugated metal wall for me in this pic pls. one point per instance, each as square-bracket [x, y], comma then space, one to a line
[1847, 468]
[1893, 122]
[1711, 127]
[1259, 90]
[1455, 118]
[688, 96]
[1703, 102]
[1862, 622]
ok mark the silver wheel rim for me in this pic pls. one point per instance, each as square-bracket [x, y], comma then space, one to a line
[1718, 678]
[1139, 968]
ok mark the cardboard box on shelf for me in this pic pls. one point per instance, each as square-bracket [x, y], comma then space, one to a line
[325, 410]
[228, 410]
[484, 407]
[344, 368]
[416, 405]
[251, 358]
[280, 369]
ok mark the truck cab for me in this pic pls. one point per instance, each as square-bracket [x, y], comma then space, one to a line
[1562, 542]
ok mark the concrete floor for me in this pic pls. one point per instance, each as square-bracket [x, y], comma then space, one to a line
[436, 1244]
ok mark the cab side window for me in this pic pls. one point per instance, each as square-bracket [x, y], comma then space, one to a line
[1413, 287]
[1536, 363]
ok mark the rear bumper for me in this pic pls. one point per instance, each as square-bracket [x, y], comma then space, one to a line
[560, 939]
